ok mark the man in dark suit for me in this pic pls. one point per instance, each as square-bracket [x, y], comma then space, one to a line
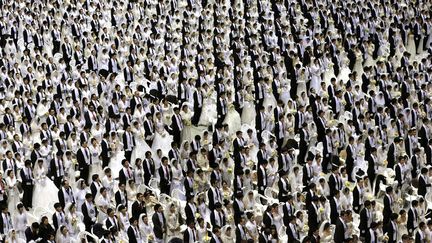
[413, 217]
[312, 209]
[335, 181]
[128, 142]
[365, 218]
[304, 143]
[291, 230]
[217, 216]
[149, 129]
[222, 108]
[371, 235]
[105, 150]
[197, 106]
[31, 233]
[90, 212]
[165, 175]
[341, 227]
[159, 223]
[57, 169]
[139, 206]
[262, 177]
[84, 160]
[133, 232]
[334, 207]
[190, 234]
[260, 122]
[176, 125]
[391, 154]
[388, 203]
[27, 184]
[216, 238]
[391, 228]
[240, 232]
[121, 196]
[423, 182]
[421, 235]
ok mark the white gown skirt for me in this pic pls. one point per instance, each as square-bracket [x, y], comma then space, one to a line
[162, 142]
[248, 114]
[44, 194]
[233, 120]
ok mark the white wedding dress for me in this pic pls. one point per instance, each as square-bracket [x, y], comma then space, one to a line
[43, 186]
[233, 119]
[162, 139]
[248, 113]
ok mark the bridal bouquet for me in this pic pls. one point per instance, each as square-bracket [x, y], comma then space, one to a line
[187, 122]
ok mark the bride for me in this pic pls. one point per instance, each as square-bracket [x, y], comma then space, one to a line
[162, 139]
[209, 106]
[232, 118]
[74, 220]
[186, 115]
[12, 190]
[43, 186]
[248, 113]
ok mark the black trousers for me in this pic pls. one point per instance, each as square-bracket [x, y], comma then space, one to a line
[57, 181]
[27, 196]
[177, 137]
[128, 155]
[417, 40]
[220, 119]
[84, 172]
[197, 115]
[56, 47]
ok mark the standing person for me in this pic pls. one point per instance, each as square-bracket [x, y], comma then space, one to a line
[177, 125]
[89, 211]
[27, 184]
[159, 223]
[128, 142]
[84, 160]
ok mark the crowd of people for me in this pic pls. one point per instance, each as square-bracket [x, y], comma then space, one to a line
[215, 121]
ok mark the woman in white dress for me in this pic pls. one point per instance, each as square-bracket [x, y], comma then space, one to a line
[146, 228]
[80, 192]
[325, 232]
[108, 182]
[173, 224]
[138, 172]
[13, 237]
[95, 151]
[186, 116]
[232, 118]
[177, 176]
[20, 221]
[74, 220]
[141, 145]
[162, 138]
[123, 217]
[103, 202]
[43, 186]
[249, 112]
[315, 71]
[62, 235]
[12, 191]
[209, 115]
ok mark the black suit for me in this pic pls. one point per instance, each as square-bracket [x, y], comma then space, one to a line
[88, 221]
[292, 233]
[339, 235]
[422, 188]
[159, 227]
[27, 186]
[312, 218]
[391, 231]
[84, 161]
[165, 175]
